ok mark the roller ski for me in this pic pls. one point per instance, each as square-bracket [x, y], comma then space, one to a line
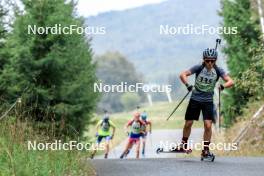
[207, 156]
[176, 150]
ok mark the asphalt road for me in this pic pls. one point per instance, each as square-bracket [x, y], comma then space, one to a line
[174, 164]
[231, 166]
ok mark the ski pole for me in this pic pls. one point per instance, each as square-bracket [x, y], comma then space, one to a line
[150, 138]
[178, 105]
[219, 108]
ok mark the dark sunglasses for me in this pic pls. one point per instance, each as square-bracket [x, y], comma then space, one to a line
[208, 61]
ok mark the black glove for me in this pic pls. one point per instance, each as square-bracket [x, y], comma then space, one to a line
[221, 87]
[189, 87]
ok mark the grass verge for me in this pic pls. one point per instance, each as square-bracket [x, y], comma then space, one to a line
[16, 159]
[253, 141]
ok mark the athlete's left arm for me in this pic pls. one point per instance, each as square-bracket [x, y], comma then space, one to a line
[228, 81]
[143, 123]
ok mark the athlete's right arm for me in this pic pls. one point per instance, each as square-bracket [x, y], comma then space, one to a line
[97, 126]
[126, 126]
[184, 75]
[184, 79]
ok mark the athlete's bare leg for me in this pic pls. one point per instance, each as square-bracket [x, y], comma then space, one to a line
[207, 130]
[128, 146]
[187, 128]
[137, 148]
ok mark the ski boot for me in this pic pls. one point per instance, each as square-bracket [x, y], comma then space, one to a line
[207, 156]
[92, 156]
[143, 152]
[106, 156]
[127, 153]
[122, 156]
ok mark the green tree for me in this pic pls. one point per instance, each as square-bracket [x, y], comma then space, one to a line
[3, 35]
[240, 49]
[52, 72]
[252, 79]
[4, 55]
